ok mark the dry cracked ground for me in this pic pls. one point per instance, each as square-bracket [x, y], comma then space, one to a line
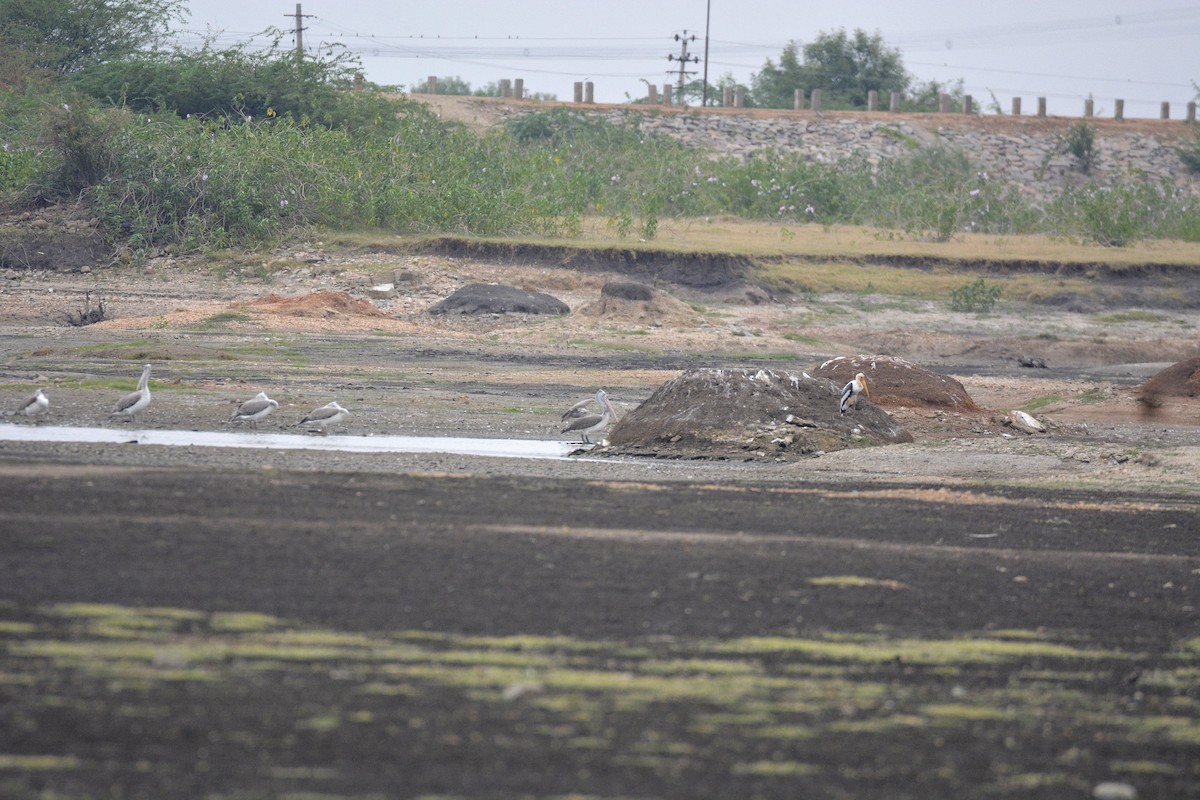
[978, 613]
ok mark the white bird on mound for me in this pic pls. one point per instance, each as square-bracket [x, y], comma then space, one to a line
[254, 410]
[852, 390]
[35, 405]
[588, 424]
[323, 417]
[132, 404]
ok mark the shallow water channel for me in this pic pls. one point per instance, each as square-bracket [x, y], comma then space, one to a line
[504, 448]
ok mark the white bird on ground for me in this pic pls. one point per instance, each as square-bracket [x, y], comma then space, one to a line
[254, 410]
[132, 404]
[589, 424]
[35, 405]
[852, 390]
[323, 417]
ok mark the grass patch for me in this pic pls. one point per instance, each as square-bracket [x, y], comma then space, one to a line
[1133, 315]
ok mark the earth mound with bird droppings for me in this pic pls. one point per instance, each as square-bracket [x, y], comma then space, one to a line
[748, 414]
[894, 382]
[497, 298]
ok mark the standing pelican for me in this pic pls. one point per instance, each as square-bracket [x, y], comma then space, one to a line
[131, 404]
[592, 423]
[323, 417]
[254, 410]
[35, 405]
[852, 390]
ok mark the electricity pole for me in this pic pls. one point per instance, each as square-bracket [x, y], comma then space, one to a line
[684, 59]
[707, 19]
[299, 31]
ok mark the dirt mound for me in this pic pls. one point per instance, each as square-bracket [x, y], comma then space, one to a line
[496, 298]
[637, 303]
[747, 414]
[317, 304]
[895, 382]
[1178, 380]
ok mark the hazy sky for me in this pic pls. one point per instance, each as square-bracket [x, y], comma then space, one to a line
[1143, 51]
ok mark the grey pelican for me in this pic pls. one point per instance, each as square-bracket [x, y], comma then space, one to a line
[131, 404]
[578, 410]
[35, 405]
[323, 417]
[852, 390]
[254, 410]
[592, 423]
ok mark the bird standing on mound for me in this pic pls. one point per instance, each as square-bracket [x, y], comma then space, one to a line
[852, 390]
[323, 417]
[254, 410]
[588, 424]
[132, 404]
[35, 405]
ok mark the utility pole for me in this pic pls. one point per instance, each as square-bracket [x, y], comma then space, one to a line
[684, 59]
[707, 20]
[299, 31]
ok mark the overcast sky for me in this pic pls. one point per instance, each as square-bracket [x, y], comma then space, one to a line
[1143, 51]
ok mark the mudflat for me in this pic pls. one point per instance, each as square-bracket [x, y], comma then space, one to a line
[980, 612]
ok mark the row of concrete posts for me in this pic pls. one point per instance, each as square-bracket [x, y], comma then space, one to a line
[734, 97]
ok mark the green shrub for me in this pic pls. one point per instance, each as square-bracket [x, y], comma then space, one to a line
[974, 296]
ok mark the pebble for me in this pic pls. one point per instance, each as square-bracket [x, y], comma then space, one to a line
[1112, 790]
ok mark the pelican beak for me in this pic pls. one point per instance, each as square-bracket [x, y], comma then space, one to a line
[866, 388]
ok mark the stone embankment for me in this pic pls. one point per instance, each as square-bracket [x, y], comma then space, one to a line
[1026, 151]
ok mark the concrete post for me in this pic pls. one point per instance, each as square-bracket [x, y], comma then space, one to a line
[1166, 111]
[894, 102]
[668, 95]
[798, 100]
[1089, 107]
[816, 100]
[872, 100]
[1190, 116]
[652, 94]
[1016, 106]
[519, 88]
[578, 91]
[739, 96]
[431, 84]
[589, 93]
[968, 104]
[505, 87]
[943, 103]
[727, 96]
[1118, 109]
[1041, 107]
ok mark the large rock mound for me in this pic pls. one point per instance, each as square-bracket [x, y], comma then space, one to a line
[747, 414]
[895, 382]
[496, 298]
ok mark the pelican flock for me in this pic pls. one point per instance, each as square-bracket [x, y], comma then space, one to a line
[131, 404]
[36, 405]
[589, 423]
[325, 416]
[851, 392]
[253, 410]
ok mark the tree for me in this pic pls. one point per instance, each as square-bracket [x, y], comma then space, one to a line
[844, 67]
[64, 36]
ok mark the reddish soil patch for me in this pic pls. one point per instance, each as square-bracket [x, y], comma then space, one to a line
[318, 304]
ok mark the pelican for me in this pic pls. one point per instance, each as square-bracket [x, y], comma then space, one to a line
[851, 392]
[578, 410]
[254, 410]
[323, 417]
[592, 423]
[35, 405]
[131, 404]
